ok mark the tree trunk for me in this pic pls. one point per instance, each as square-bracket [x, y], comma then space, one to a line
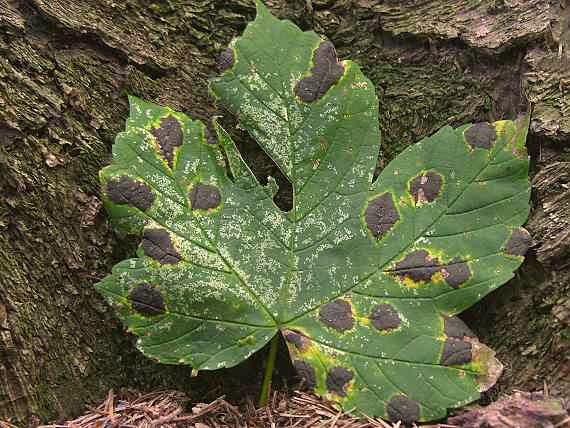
[65, 69]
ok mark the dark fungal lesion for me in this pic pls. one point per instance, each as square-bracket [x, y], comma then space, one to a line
[385, 317]
[210, 135]
[381, 215]
[168, 136]
[300, 341]
[455, 327]
[325, 72]
[307, 373]
[337, 315]
[456, 273]
[518, 243]
[401, 408]
[147, 300]
[481, 135]
[419, 266]
[425, 188]
[226, 59]
[205, 197]
[337, 380]
[156, 243]
[456, 352]
[126, 191]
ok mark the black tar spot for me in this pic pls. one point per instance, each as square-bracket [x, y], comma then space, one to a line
[306, 372]
[204, 197]
[401, 408]
[518, 243]
[147, 300]
[324, 74]
[417, 266]
[226, 59]
[337, 314]
[169, 137]
[456, 273]
[456, 353]
[385, 318]
[455, 327]
[294, 338]
[426, 187]
[337, 379]
[210, 136]
[130, 192]
[301, 342]
[156, 243]
[381, 215]
[481, 135]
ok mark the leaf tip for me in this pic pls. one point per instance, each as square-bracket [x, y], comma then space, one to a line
[488, 366]
[260, 8]
[133, 101]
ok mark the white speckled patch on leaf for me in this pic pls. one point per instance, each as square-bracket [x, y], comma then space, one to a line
[362, 278]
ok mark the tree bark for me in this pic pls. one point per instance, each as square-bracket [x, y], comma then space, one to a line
[65, 69]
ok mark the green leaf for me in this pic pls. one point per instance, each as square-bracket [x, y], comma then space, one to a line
[363, 278]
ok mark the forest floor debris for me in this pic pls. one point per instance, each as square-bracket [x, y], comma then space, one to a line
[166, 409]
[172, 409]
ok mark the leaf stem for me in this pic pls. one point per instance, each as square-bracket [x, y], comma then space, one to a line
[266, 386]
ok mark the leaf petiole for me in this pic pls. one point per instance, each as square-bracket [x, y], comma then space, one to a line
[266, 386]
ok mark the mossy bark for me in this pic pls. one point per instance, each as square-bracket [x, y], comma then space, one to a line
[65, 69]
